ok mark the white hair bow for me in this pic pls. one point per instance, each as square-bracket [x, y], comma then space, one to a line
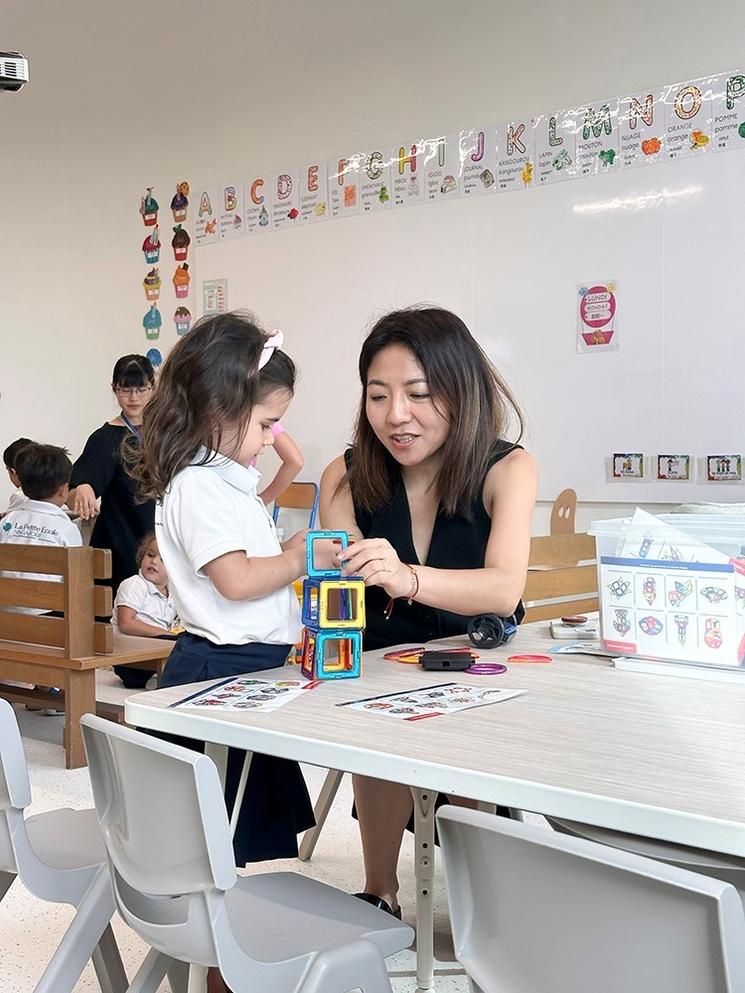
[275, 340]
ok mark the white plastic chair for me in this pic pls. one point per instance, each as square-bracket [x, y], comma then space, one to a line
[59, 856]
[728, 868]
[533, 910]
[162, 813]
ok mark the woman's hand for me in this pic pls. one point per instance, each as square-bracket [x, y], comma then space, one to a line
[85, 504]
[376, 561]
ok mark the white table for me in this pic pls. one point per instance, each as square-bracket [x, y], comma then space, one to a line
[652, 755]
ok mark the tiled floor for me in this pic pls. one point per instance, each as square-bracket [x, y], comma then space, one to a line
[31, 929]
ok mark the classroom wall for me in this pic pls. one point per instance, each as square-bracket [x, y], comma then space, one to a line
[123, 96]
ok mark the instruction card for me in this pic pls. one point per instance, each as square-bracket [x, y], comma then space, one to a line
[432, 701]
[247, 693]
[667, 595]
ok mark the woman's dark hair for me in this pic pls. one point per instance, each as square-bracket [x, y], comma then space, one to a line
[132, 371]
[461, 380]
[210, 379]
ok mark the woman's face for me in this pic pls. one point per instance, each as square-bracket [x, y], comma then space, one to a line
[132, 400]
[400, 408]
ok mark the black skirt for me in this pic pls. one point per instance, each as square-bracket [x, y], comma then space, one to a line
[276, 806]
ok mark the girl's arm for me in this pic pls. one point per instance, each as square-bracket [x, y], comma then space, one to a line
[336, 508]
[128, 623]
[238, 577]
[509, 497]
[292, 462]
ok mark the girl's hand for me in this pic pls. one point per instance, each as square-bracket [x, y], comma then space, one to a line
[85, 504]
[376, 561]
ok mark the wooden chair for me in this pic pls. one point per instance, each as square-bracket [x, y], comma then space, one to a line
[562, 577]
[63, 651]
[298, 496]
[563, 513]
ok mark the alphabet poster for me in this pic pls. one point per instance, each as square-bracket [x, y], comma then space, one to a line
[232, 217]
[642, 128]
[206, 221]
[285, 200]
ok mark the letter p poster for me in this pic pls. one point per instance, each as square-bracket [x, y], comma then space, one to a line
[597, 317]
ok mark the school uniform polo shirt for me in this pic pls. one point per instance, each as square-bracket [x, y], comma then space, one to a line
[148, 603]
[17, 500]
[37, 522]
[208, 511]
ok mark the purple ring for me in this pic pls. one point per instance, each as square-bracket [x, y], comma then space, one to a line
[487, 669]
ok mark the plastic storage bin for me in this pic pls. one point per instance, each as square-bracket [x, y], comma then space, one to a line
[673, 587]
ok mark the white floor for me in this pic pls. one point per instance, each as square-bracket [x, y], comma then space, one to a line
[30, 929]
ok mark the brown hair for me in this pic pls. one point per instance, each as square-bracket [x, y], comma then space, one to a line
[463, 380]
[210, 379]
[142, 547]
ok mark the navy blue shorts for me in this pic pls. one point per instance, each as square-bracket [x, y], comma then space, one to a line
[276, 806]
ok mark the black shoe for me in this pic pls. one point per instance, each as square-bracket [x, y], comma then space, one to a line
[380, 903]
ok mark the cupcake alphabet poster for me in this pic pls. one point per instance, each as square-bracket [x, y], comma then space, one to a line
[149, 208]
[180, 202]
[169, 237]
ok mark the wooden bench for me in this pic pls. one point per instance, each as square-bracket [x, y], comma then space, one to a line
[63, 651]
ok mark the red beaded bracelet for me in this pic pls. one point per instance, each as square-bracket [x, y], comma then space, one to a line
[413, 591]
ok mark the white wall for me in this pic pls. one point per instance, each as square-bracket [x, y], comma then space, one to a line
[127, 95]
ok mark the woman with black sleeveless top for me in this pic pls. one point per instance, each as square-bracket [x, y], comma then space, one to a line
[440, 506]
[100, 472]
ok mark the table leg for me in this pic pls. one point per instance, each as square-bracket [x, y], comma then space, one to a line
[330, 787]
[80, 698]
[240, 793]
[197, 979]
[424, 868]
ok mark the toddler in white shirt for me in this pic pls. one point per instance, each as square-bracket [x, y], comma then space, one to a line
[143, 604]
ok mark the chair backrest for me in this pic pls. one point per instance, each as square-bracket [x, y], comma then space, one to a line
[298, 496]
[161, 809]
[535, 910]
[562, 576]
[15, 788]
[75, 596]
[563, 513]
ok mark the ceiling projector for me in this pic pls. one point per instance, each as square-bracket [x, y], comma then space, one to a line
[13, 71]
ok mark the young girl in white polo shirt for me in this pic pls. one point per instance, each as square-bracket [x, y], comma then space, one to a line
[221, 390]
[143, 605]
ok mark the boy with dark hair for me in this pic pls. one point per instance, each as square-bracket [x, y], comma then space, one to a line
[9, 458]
[44, 474]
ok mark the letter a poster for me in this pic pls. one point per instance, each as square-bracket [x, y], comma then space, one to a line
[597, 316]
